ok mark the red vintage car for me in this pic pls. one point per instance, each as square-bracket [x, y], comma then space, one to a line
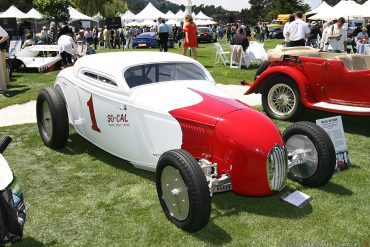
[294, 78]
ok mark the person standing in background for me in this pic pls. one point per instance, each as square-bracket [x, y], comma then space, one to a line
[4, 76]
[52, 33]
[337, 36]
[190, 39]
[163, 33]
[285, 30]
[298, 31]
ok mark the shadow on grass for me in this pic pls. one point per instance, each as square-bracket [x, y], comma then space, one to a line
[29, 241]
[12, 93]
[336, 189]
[78, 145]
[230, 204]
[212, 234]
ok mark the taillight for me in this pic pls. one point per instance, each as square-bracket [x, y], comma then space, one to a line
[205, 34]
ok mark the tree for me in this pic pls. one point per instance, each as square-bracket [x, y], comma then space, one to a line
[114, 7]
[91, 7]
[56, 10]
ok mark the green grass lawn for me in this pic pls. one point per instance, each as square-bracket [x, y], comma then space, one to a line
[83, 196]
[25, 86]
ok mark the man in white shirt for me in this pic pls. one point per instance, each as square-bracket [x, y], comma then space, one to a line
[298, 31]
[67, 48]
[4, 76]
[337, 36]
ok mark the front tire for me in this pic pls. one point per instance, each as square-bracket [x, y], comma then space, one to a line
[183, 190]
[281, 98]
[52, 118]
[311, 154]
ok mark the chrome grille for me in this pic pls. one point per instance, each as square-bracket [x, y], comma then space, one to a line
[277, 167]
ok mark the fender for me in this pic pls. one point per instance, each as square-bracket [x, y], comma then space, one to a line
[289, 71]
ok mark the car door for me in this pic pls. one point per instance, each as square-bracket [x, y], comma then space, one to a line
[108, 116]
[343, 86]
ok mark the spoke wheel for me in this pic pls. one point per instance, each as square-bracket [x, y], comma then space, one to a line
[281, 98]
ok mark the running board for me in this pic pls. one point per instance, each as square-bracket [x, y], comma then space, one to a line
[343, 108]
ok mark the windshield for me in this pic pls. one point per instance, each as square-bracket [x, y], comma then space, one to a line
[146, 35]
[202, 30]
[152, 73]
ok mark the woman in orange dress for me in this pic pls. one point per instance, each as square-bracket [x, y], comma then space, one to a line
[190, 39]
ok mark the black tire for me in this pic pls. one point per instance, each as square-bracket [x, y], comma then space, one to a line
[289, 106]
[56, 117]
[264, 65]
[199, 206]
[324, 168]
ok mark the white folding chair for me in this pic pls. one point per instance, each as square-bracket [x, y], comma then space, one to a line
[221, 54]
[238, 58]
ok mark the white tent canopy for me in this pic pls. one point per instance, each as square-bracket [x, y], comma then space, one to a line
[202, 16]
[170, 15]
[180, 15]
[173, 22]
[322, 8]
[147, 23]
[13, 12]
[128, 16]
[345, 8]
[204, 22]
[97, 17]
[76, 15]
[149, 13]
[34, 14]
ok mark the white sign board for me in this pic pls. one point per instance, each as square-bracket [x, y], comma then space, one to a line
[334, 127]
[14, 47]
[297, 198]
[85, 24]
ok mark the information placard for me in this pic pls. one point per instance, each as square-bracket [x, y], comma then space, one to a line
[334, 127]
[297, 198]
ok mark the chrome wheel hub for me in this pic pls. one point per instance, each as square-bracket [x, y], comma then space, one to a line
[175, 193]
[47, 121]
[302, 156]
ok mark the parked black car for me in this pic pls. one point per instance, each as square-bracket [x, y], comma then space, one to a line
[276, 33]
[206, 34]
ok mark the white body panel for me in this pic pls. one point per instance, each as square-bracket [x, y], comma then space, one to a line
[31, 59]
[6, 175]
[133, 124]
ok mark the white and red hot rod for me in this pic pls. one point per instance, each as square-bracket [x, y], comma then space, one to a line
[176, 122]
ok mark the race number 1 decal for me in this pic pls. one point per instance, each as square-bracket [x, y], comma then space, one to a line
[94, 125]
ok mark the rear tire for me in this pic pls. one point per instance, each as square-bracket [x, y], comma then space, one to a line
[314, 154]
[281, 98]
[52, 118]
[183, 190]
